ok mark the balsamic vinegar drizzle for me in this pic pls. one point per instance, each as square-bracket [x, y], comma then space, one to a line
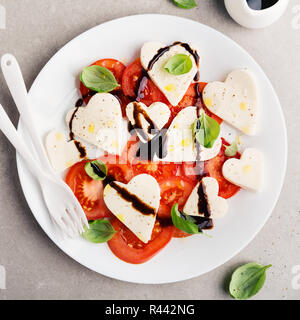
[137, 203]
[98, 171]
[202, 202]
[78, 145]
[137, 112]
[141, 85]
[202, 222]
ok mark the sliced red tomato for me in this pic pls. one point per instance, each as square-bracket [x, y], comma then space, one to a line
[117, 168]
[158, 170]
[133, 81]
[180, 234]
[214, 166]
[174, 190]
[127, 247]
[190, 99]
[193, 170]
[116, 67]
[89, 192]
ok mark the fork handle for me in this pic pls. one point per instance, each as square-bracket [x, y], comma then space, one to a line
[15, 82]
[7, 127]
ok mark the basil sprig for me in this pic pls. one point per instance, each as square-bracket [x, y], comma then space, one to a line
[185, 4]
[100, 231]
[179, 64]
[184, 222]
[97, 170]
[206, 130]
[231, 151]
[247, 280]
[98, 79]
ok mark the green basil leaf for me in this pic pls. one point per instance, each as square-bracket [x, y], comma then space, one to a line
[184, 222]
[100, 231]
[231, 151]
[206, 130]
[185, 4]
[247, 280]
[98, 79]
[97, 170]
[179, 64]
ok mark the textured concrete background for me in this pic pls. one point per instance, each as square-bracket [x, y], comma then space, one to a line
[35, 267]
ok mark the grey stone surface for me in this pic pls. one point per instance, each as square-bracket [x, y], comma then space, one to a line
[35, 267]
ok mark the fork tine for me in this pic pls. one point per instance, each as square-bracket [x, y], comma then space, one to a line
[62, 227]
[76, 221]
[70, 227]
[81, 216]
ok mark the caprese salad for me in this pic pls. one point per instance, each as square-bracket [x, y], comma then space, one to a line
[146, 157]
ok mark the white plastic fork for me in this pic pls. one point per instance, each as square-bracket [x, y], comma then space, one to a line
[63, 206]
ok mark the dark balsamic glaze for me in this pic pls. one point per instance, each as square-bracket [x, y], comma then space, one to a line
[98, 171]
[202, 222]
[80, 148]
[141, 85]
[138, 111]
[261, 4]
[202, 202]
[137, 203]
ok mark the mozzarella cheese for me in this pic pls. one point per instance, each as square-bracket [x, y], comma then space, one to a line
[99, 123]
[235, 101]
[216, 205]
[158, 112]
[147, 190]
[173, 87]
[62, 154]
[181, 142]
[246, 172]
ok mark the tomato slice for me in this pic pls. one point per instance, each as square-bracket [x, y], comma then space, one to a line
[180, 234]
[190, 99]
[174, 190]
[117, 168]
[214, 166]
[127, 247]
[117, 68]
[133, 80]
[89, 192]
[193, 170]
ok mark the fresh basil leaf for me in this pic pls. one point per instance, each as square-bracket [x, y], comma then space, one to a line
[185, 4]
[184, 222]
[97, 170]
[100, 231]
[247, 280]
[98, 79]
[206, 130]
[179, 64]
[231, 151]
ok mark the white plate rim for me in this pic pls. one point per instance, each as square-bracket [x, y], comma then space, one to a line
[282, 177]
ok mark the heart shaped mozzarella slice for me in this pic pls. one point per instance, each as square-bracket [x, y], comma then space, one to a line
[135, 204]
[173, 87]
[99, 123]
[246, 172]
[181, 142]
[234, 100]
[147, 120]
[62, 154]
[205, 197]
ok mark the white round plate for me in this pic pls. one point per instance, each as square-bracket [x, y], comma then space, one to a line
[54, 92]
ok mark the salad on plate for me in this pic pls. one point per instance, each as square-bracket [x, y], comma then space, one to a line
[154, 153]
